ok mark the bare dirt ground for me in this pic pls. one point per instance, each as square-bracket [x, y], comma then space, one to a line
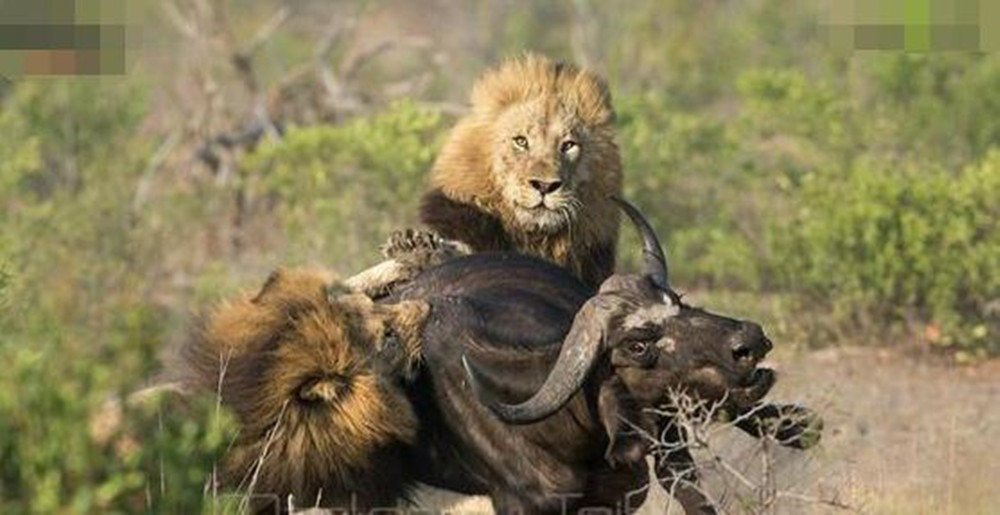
[903, 435]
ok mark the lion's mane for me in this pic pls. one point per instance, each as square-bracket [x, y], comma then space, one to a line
[316, 389]
[464, 202]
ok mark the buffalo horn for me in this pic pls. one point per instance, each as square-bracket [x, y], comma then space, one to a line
[652, 253]
[579, 352]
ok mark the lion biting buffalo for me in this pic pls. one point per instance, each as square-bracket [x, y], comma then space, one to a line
[315, 374]
[496, 374]
[498, 355]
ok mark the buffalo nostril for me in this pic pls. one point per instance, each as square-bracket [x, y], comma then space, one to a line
[545, 187]
[742, 352]
[752, 337]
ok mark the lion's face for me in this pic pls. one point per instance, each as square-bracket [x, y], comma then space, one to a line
[540, 163]
[538, 152]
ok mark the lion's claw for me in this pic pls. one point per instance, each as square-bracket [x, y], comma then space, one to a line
[420, 249]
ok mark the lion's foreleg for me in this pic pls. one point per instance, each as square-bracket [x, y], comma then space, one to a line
[407, 253]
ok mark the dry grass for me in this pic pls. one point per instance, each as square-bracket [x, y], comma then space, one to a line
[903, 436]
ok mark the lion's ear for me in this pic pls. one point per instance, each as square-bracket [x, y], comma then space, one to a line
[324, 389]
[408, 316]
[406, 320]
[269, 285]
[296, 286]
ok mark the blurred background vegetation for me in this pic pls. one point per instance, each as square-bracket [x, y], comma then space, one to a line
[837, 198]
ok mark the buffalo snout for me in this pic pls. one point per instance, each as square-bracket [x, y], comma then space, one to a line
[750, 345]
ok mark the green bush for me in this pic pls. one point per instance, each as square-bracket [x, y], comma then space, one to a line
[51, 460]
[78, 323]
[678, 166]
[342, 189]
[861, 199]
[790, 180]
[915, 242]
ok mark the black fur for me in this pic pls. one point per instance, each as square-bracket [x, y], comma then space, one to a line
[510, 314]
[463, 222]
[484, 232]
[598, 265]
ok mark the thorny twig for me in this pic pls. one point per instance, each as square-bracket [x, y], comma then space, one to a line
[698, 422]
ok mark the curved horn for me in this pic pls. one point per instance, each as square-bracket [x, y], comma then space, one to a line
[580, 351]
[652, 252]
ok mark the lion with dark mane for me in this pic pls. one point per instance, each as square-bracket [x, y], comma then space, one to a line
[314, 373]
[321, 377]
[532, 167]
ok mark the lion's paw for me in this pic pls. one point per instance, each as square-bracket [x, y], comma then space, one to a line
[421, 249]
[411, 241]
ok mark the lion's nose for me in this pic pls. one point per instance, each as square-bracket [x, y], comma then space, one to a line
[545, 187]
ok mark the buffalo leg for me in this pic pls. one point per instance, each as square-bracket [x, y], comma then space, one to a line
[791, 425]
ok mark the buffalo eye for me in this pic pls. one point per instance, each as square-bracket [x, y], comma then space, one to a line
[638, 348]
[520, 142]
[568, 146]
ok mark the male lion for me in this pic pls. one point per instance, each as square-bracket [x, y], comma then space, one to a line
[532, 168]
[314, 374]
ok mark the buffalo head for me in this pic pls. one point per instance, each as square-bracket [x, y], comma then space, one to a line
[640, 329]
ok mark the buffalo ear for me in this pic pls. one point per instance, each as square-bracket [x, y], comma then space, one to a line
[623, 423]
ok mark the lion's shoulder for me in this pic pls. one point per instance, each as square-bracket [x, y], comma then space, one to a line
[464, 222]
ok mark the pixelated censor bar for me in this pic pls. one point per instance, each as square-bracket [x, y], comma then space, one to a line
[913, 25]
[63, 37]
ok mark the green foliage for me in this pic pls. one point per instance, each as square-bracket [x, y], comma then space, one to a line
[676, 163]
[343, 189]
[76, 327]
[942, 107]
[818, 193]
[53, 458]
[860, 199]
[914, 242]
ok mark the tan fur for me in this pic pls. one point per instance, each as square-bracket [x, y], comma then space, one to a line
[549, 102]
[312, 374]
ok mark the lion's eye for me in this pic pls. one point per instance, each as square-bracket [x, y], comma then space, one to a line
[568, 146]
[521, 142]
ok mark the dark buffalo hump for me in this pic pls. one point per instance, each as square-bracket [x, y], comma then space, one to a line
[515, 301]
[509, 314]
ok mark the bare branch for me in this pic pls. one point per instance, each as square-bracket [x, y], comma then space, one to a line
[350, 67]
[267, 30]
[755, 484]
[183, 24]
[146, 179]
